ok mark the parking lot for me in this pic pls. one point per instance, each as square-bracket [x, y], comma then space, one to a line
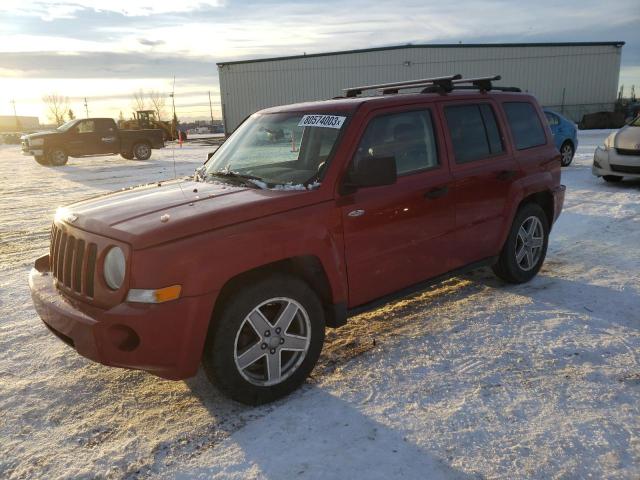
[469, 379]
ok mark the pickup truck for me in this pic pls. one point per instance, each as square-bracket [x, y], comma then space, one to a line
[89, 137]
[306, 215]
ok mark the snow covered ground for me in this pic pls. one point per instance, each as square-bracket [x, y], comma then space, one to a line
[470, 379]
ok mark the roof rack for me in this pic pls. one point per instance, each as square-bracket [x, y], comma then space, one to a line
[442, 85]
[445, 83]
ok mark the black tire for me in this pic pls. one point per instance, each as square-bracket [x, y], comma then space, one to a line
[142, 151]
[508, 268]
[57, 157]
[612, 178]
[229, 326]
[567, 151]
[42, 160]
[127, 155]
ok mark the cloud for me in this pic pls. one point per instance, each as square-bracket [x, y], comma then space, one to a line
[106, 65]
[150, 43]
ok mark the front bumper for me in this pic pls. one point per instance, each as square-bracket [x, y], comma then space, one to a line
[610, 162]
[163, 339]
[33, 152]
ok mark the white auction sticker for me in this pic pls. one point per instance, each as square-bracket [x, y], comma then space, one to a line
[326, 121]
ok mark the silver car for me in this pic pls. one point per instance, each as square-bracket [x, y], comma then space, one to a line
[620, 155]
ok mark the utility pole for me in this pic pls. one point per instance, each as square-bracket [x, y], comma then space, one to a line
[210, 108]
[15, 115]
[86, 107]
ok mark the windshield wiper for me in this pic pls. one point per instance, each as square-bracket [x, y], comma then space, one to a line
[243, 177]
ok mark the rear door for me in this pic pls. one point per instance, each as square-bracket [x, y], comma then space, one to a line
[398, 235]
[556, 128]
[483, 170]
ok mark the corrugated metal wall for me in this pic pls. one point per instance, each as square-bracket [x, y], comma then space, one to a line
[577, 79]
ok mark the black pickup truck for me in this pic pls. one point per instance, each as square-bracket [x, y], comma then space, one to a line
[88, 137]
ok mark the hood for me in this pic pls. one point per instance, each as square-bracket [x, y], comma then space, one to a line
[628, 138]
[153, 214]
[40, 134]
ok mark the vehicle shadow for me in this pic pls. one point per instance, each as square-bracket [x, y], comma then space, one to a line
[617, 305]
[315, 434]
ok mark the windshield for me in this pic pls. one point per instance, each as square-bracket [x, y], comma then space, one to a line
[278, 149]
[66, 126]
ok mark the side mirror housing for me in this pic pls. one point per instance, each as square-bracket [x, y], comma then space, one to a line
[372, 172]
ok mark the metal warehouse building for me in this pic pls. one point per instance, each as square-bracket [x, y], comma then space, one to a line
[573, 78]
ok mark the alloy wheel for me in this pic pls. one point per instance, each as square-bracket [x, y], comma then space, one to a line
[529, 243]
[567, 154]
[272, 341]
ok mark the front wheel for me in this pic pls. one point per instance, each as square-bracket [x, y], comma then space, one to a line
[58, 157]
[142, 151]
[42, 160]
[566, 153]
[266, 339]
[526, 247]
[127, 155]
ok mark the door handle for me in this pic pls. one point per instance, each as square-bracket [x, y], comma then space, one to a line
[505, 175]
[108, 139]
[436, 192]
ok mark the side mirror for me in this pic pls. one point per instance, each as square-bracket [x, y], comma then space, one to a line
[372, 172]
[209, 155]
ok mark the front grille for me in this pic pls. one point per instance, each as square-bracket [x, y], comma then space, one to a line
[625, 169]
[627, 151]
[73, 262]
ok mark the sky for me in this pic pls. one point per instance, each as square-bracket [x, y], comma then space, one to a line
[104, 50]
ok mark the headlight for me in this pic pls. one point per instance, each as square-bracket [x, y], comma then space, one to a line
[608, 143]
[36, 142]
[114, 268]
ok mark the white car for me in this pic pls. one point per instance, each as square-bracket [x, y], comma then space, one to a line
[620, 155]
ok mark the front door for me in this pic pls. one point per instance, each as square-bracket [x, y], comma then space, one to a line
[399, 234]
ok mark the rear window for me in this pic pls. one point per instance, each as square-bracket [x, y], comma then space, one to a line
[474, 132]
[525, 125]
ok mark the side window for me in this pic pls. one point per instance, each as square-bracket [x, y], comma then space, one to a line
[552, 119]
[474, 132]
[105, 126]
[525, 125]
[86, 126]
[407, 136]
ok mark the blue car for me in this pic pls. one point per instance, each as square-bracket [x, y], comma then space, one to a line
[565, 135]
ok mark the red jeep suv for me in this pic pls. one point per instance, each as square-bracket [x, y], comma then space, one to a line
[306, 215]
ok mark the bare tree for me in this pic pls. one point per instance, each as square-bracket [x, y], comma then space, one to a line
[139, 101]
[158, 102]
[57, 107]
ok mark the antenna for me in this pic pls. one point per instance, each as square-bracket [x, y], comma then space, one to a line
[86, 107]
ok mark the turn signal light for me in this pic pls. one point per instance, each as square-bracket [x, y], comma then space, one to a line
[154, 296]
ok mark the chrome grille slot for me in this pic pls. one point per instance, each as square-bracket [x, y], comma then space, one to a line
[73, 262]
[68, 260]
[78, 261]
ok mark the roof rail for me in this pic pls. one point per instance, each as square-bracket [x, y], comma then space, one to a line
[483, 83]
[445, 83]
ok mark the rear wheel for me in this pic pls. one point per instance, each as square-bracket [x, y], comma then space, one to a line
[127, 155]
[265, 340]
[526, 246]
[566, 153]
[58, 157]
[612, 178]
[142, 151]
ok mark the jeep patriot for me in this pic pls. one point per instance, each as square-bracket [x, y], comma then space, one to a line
[307, 214]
